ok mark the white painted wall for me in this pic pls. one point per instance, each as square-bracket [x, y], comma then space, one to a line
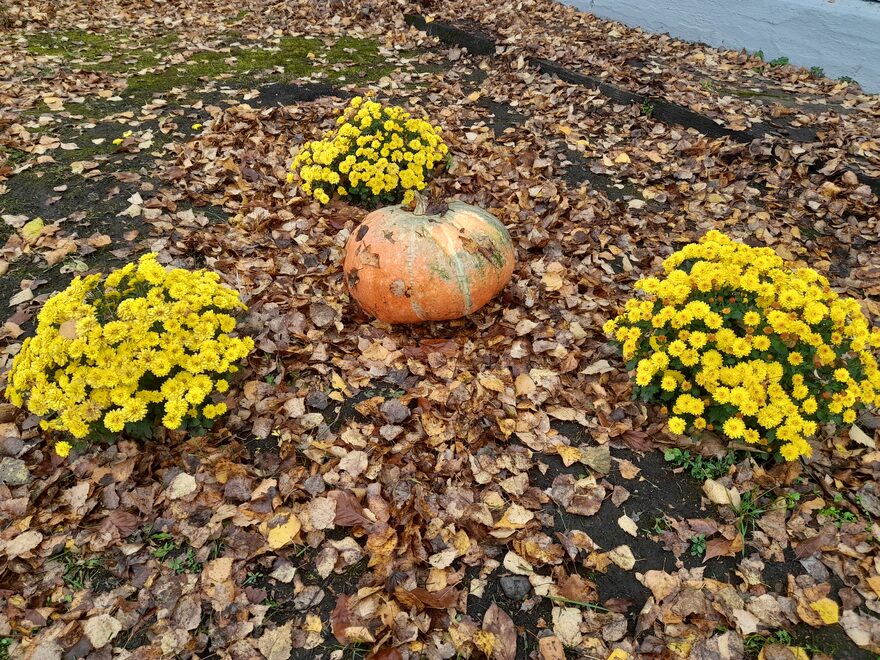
[841, 36]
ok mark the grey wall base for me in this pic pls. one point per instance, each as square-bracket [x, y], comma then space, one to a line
[841, 36]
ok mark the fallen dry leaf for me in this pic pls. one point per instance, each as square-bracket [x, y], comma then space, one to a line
[285, 533]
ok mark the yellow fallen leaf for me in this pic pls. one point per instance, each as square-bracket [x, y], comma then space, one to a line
[524, 385]
[337, 382]
[618, 654]
[284, 534]
[682, 647]
[313, 623]
[359, 635]
[622, 556]
[516, 564]
[507, 427]
[461, 542]
[436, 579]
[492, 383]
[22, 296]
[552, 281]
[516, 517]
[380, 547]
[31, 230]
[53, 103]
[569, 455]
[218, 570]
[827, 610]
[622, 158]
[797, 653]
[567, 625]
[64, 248]
[550, 648]
[485, 642]
[577, 330]
[494, 500]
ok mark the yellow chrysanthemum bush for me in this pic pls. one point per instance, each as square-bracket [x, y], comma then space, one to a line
[376, 155]
[143, 346]
[733, 340]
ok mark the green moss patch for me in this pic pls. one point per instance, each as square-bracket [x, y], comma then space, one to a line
[237, 62]
[360, 57]
[115, 51]
[12, 157]
[297, 56]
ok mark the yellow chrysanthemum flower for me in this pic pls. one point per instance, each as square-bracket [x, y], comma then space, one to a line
[736, 328]
[108, 354]
[677, 425]
[375, 152]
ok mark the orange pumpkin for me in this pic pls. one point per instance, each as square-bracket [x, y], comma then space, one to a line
[405, 266]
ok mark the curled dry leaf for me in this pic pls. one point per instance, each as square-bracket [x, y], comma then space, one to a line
[497, 622]
[628, 525]
[276, 643]
[567, 625]
[181, 486]
[721, 495]
[23, 543]
[101, 630]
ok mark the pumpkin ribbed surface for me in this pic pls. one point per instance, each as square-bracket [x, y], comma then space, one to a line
[405, 268]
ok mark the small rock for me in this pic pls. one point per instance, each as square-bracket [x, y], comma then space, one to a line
[14, 472]
[394, 411]
[317, 400]
[11, 446]
[516, 587]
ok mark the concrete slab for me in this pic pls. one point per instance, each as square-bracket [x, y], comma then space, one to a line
[841, 36]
